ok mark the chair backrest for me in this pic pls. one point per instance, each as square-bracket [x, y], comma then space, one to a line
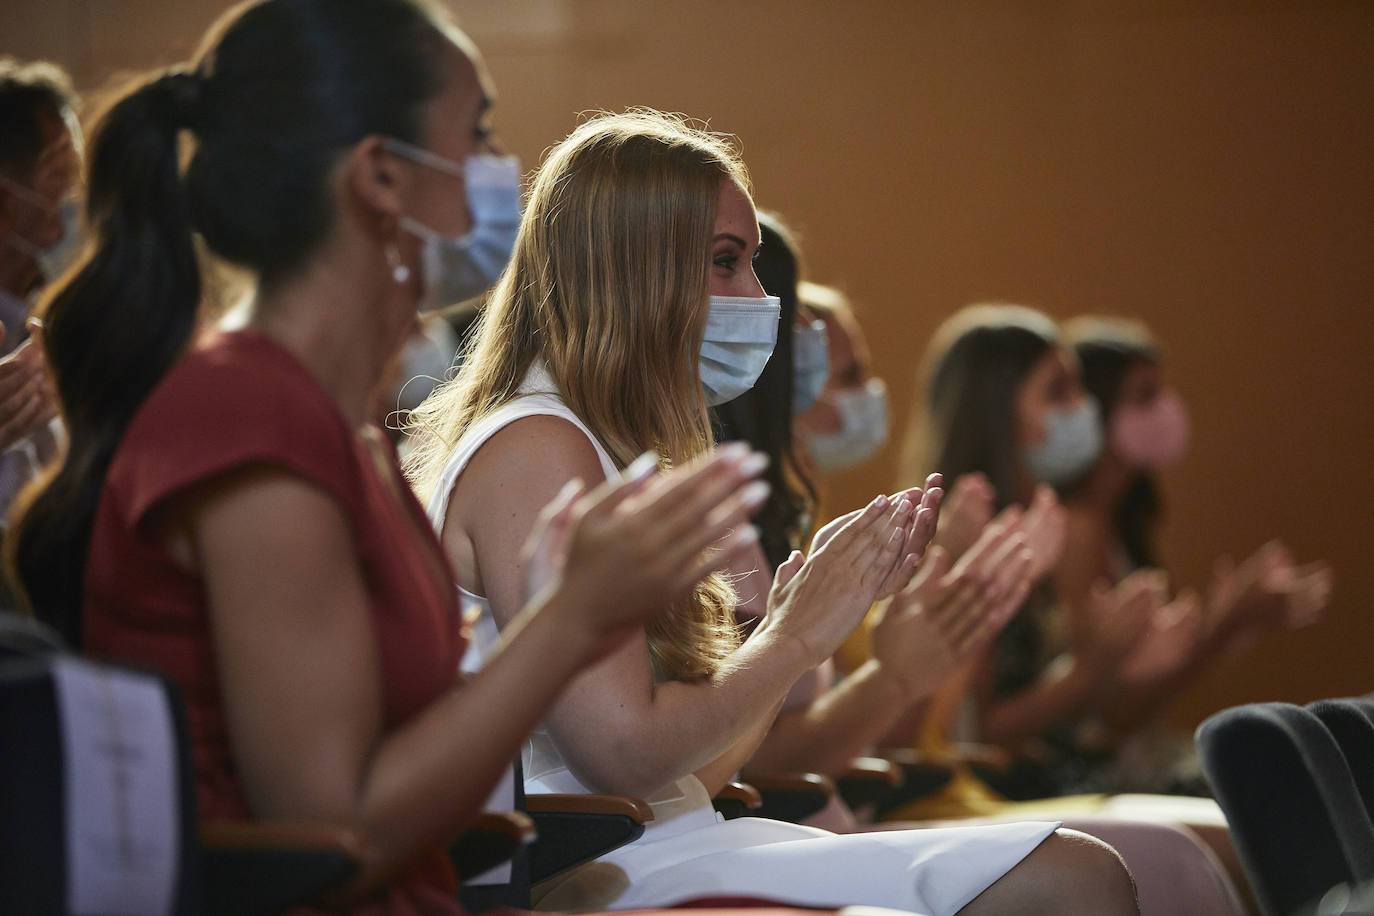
[1351, 723]
[1291, 801]
[97, 810]
[25, 637]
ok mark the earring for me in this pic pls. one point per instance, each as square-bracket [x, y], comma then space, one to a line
[400, 273]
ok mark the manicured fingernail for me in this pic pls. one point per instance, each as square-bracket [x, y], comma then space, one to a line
[755, 494]
[746, 535]
[754, 464]
[735, 451]
[641, 467]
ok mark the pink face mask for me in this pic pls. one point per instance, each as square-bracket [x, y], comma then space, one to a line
[1153, 435]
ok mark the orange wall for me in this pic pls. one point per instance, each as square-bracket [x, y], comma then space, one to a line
[1207, 166]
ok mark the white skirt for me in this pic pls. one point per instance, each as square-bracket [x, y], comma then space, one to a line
[932, 871]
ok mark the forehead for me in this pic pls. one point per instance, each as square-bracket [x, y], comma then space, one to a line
[466, 90]
[735, 213]
[839, 339]
[1142, 375]
[1055, 364]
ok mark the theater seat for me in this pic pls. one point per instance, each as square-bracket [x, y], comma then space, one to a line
[97, 806]
[1291, 801]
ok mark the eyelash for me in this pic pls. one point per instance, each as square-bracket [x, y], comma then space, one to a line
[731, 261]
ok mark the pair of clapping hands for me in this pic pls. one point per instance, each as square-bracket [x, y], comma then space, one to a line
[614, 557]
[978, 571]
[1132, 628]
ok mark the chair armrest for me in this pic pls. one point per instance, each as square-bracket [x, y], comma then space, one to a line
[737, 799]
[617, 805]
[251, 868]
[876, 770]
[792, 796]
[868, 782]
[574, 829]
[493, 837]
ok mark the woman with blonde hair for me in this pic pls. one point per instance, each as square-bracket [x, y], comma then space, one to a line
[628, 307]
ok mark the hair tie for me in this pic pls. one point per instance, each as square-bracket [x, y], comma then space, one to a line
[180, 93]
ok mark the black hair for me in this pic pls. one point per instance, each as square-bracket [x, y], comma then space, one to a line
[1107, 350]
[762, 416]
[280, 90]
[971, 396]
[27, 93]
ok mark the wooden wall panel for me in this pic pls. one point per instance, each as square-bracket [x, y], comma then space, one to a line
[1206, 166]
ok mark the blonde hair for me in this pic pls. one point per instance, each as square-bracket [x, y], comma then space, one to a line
[608, 286]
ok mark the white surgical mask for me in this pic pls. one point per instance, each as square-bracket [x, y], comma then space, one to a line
[1073, 441]
[55, 259]
[810, 364]
[454, 269]
[863, 428]
[741, 333]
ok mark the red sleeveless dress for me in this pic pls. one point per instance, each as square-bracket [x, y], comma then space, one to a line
[241, 400]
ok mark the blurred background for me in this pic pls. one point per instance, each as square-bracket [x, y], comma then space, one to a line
[1204, 165]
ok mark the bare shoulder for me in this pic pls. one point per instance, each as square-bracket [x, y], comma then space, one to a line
[536, 454]
[510, 478]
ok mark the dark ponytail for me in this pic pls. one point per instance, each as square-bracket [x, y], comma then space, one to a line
[282, 88]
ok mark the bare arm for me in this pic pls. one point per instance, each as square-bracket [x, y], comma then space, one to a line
[301, 685]
[842, 723]
[1080, 680]
[618, 730]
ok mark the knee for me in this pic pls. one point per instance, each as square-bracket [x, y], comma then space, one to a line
[1086, 875]
[1069, 874]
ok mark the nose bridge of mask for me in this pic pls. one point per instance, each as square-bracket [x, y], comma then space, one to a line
[740, 335]
[740, 319]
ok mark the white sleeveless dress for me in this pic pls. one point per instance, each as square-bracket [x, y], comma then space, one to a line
[688, 851]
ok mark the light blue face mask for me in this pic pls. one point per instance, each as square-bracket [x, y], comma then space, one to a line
[52, 261]
[810, 364]
[457, 269]
[1073, 441]
[741, 333]
[864, 420]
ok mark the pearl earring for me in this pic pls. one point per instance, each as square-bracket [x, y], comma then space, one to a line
[400, 273]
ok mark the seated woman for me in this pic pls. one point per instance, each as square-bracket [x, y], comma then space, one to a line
[629, 305]
[225, 512]
[1115, 508]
